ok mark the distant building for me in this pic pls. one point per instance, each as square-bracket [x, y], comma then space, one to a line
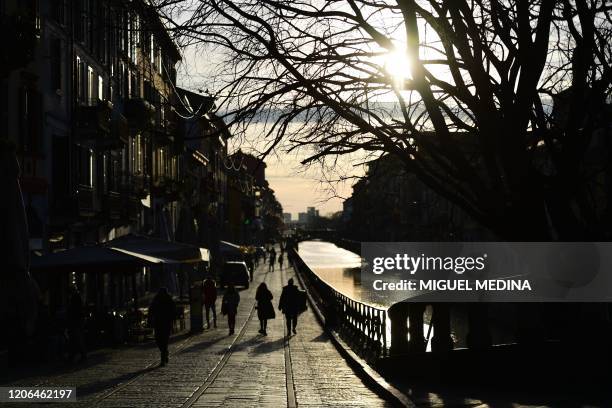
[287, 218]
[311, 215]
[302, 218]
[390, 204]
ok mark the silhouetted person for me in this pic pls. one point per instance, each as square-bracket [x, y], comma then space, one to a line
[209, 291]
[289, 305]
[265, 310]
[272, 260]
[250, 265]
[229, 306]
[280, 261]
[75, 322]
[162, 312]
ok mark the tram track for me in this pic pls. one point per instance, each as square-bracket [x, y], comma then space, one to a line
[217, 370]
[220, 364]
[290, 386]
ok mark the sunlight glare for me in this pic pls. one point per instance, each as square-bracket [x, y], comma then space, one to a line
[397, 65]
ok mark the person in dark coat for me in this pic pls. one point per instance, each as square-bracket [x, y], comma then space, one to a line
[289, 305]
[265, 310]
[75, 322]
[162, 312]
[229, 306]
[272, 260]
[280, 261]
[209, 290]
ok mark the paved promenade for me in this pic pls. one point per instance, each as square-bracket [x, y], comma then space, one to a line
[213, 369]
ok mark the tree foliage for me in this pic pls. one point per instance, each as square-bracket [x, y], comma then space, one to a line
[473, 117]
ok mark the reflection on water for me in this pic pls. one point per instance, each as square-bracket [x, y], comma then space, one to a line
[341, 269]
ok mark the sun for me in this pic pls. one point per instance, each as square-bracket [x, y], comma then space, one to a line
[397, 65]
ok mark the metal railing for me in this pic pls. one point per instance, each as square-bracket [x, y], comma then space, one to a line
[361, 326]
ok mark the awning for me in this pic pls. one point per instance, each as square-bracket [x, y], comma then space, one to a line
[93, 258]
[205, 254]
[230, 251]
[158, 248]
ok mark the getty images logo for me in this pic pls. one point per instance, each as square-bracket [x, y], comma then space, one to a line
[413, 264]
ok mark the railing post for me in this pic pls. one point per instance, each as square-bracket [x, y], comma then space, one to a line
[398, 314]
[383, 329]
[442, 340]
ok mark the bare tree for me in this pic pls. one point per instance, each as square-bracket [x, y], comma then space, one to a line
[472, 116]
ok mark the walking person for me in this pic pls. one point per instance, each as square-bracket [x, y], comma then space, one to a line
[250, 265]
[229, 306]
[75, 322]
[209, 289]
[265, 310]
[280, 261]
[161, 312]
[272, 260]
[289, 305]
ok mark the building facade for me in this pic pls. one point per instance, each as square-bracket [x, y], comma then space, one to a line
[92, 116]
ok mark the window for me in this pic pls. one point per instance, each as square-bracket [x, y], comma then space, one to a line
[134, 86]
[86, 166]
[152, 49]
[92, 87]
[136, 155]
[105, 173]
[133, 28]
[56, 64]
[78, 79]
[100, 88]
[58, 11]
[30, 114]
[80, 21]
[159, 62]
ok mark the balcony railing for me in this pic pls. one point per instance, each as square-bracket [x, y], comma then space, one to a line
[135, 184]
[139, 113]
[133, 206]
[120, 130]
[86, 200]
[93, 123]
[112, 205]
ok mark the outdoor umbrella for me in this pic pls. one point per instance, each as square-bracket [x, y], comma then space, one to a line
[158, 248]
[94, 258]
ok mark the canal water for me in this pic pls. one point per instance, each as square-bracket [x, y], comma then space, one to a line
[341, 269]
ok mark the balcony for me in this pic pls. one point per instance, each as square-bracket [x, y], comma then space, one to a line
[135, 185]
[120, 130]
[133, 206]
[112, 205]
[86, 201]
[160, 186]
[173, 189]
[139, 113]
[93, 123]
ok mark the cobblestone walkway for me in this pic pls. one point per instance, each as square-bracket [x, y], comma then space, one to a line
[213, 369]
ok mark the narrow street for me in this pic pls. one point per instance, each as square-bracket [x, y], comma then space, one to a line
[213, 369]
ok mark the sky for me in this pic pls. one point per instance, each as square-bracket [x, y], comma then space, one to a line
[295, 187]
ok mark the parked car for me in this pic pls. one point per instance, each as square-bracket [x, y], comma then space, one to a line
[260, 251]
[236, 273]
